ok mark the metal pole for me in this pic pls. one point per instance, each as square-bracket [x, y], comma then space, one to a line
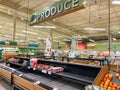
[51, 36]
[27, 27]
[109, 35]
[109, 31]
[14, 26]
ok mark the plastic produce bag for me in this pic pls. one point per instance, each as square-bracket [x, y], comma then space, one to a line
[93, 87]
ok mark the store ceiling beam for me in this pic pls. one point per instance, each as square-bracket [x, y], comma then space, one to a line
[14, 6]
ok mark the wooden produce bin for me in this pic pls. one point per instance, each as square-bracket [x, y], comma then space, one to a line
[8, 55]
[25, 84]
[6, 74]
[36, 87]
[101, 75]
[113, 67]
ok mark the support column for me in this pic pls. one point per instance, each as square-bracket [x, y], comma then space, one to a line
[51, 36]
[14, 27]
[109, 31]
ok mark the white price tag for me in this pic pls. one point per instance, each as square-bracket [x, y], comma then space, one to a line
[20, 74]
[55, 89]
[37, 82]
[44, 71]
[49, 72]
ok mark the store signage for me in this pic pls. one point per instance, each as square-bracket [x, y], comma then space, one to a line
[58, 9]
[115, 50]
[73, 45]
[2, 43]
[13, 43]
[48, 45]
[33, 45]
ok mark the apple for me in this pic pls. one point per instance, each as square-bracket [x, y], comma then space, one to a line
[115, 85]
[118, 87]
[106, 75]
[117, 75]
[110, 76]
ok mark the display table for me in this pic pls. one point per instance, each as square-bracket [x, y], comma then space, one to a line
[75, 76]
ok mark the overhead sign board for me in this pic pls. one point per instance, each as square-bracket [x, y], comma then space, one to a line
[58, 9]
[33, 45]
[13, 43]
[2, 43]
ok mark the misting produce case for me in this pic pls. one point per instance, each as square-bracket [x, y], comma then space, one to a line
[73, 77]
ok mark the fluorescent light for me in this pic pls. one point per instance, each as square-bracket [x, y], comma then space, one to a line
[8, 36]
[84, 2]
[44, 26]
[22, 41]
[115, 1]
[32, 39]
[30, 32]
[100, 29]
[20, 34]
[22, 18]
[114, 39]
[91, 40]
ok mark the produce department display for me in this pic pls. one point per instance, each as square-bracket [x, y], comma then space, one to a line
[109, 81]
[79, 76]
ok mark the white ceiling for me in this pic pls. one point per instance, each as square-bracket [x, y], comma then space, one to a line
[94, 16]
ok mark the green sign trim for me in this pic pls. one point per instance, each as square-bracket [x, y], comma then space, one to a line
[33, 45]
[13, 43]
[2, 43]
[56, 9]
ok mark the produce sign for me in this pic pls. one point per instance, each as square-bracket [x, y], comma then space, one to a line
[12, 43]
[48, 45]
[58, 9]
[2, 43]
[33, 45]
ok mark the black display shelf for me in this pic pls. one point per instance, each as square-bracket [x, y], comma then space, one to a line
[23, 58]
[16, 64]
[59, 63]
[84, 79]
[22, 75]
[91, 59]
[78, 73]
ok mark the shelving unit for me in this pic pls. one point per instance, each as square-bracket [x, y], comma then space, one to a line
[81, 74]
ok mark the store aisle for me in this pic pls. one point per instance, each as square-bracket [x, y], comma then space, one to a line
[4, 86]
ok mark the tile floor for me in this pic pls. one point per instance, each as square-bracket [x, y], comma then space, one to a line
[4, 85]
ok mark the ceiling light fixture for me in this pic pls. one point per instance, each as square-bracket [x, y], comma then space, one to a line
[99, 29]
[30, 32]
[47, 27]
[8, 36]
[91, 40]
[84, 2]
[114, 39]
[20, 34]
[22, 18]
[22, 41]
[115, 1]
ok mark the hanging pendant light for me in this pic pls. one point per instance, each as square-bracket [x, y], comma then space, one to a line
[115, 1]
